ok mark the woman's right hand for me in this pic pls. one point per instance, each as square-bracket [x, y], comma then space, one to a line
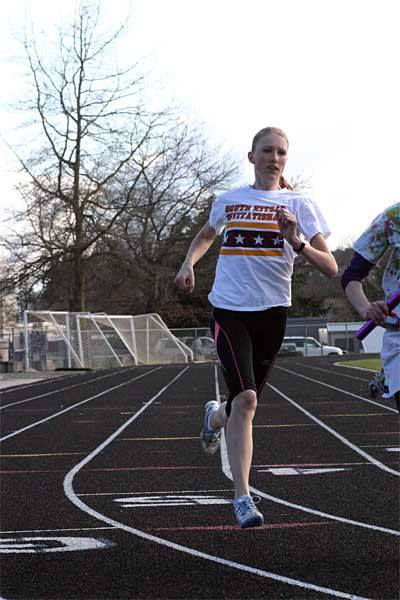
[185, 278]
[376, 312]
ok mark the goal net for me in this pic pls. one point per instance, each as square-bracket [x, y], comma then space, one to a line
[63, 340]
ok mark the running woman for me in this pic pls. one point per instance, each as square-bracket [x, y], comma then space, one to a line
[381, 236]
[263, 226]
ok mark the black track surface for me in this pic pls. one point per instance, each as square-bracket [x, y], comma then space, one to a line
[64, 475]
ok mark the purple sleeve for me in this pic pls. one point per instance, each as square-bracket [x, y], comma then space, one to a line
[357, 270]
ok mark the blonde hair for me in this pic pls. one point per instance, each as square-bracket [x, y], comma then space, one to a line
[266, 131]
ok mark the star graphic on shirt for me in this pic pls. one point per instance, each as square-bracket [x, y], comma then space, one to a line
[259, 239]
[239, 239]
[277, 240]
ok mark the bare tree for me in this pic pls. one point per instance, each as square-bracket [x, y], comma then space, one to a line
[174, 188]
[148, 240]
[98, 155]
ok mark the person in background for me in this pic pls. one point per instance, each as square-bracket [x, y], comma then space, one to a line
[383, 235]
[264, 226]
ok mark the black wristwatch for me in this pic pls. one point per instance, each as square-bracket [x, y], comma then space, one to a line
[300, 248]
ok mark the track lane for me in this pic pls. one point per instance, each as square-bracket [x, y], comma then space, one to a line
[63, 396]
[106, 506]
[172, 531]
[159, 453]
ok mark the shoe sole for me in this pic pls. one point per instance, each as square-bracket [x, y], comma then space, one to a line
[253, 522]
[210, 448]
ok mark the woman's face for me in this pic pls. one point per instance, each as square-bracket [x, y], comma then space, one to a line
[269, 157]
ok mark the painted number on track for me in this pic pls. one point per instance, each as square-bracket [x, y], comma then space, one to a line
[39, 545]
[292, 471]
[170, 500]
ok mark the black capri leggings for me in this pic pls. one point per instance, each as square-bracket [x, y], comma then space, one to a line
[247, 344]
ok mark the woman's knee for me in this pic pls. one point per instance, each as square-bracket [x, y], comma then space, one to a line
[246, 401]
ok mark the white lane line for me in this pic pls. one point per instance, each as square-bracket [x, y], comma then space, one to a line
[377, 446]
[54, 530]
[332, 372]
[69, 387]
[227, 471]
[227, 490]
[65, 410]
[24, 386]
[339, 390]
[338, 435]
[73, 497]
[338, 364]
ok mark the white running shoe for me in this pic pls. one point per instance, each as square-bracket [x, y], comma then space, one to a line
[210, 438]
[246, 512]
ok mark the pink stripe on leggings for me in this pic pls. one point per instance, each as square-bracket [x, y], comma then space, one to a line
[218, 328]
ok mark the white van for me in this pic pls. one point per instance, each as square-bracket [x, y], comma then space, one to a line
[309, 346]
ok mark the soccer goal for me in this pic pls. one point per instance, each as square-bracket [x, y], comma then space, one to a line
[63, 340]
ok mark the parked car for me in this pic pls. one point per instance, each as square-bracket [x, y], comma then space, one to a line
[309, 346]
[203, 347]
[288, 349]
[169, 349]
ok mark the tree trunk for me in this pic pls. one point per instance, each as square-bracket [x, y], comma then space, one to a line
[77, 296]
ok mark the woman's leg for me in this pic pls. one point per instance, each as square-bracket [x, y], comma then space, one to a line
[267, 335]
[234, 348]
[239, 440]
[239, 437]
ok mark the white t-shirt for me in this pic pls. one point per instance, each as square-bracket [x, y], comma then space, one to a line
[255, 264]
[382, 234]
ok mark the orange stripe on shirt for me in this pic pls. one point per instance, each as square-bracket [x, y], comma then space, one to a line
[251, 225]
[249, 252]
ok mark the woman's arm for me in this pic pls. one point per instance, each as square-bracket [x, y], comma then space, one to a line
[352, 284]
[374, 311]
[199, 246]
[317, 252]
[319, 255]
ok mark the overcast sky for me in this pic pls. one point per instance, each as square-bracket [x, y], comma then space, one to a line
[325, 71]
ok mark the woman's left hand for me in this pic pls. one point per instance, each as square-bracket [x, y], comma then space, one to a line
[288, 226]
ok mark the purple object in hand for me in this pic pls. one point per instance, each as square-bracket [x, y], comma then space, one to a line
[392, 302]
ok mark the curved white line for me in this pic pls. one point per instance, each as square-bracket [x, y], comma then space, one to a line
[340, 390]
[72, 496]
[227, 472]
[65, 410]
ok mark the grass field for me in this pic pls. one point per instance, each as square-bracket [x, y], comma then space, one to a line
[364, 363]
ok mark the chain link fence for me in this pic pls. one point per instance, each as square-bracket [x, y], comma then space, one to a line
[315, 339]
[305, 339]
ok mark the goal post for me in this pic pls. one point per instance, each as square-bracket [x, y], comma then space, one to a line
[62, 340]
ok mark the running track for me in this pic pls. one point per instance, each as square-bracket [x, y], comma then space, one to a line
[106, 495]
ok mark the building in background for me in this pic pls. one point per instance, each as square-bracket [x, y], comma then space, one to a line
[343, 335]
[8, 319]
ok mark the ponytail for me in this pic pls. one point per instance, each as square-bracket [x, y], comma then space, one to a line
[284, 184]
